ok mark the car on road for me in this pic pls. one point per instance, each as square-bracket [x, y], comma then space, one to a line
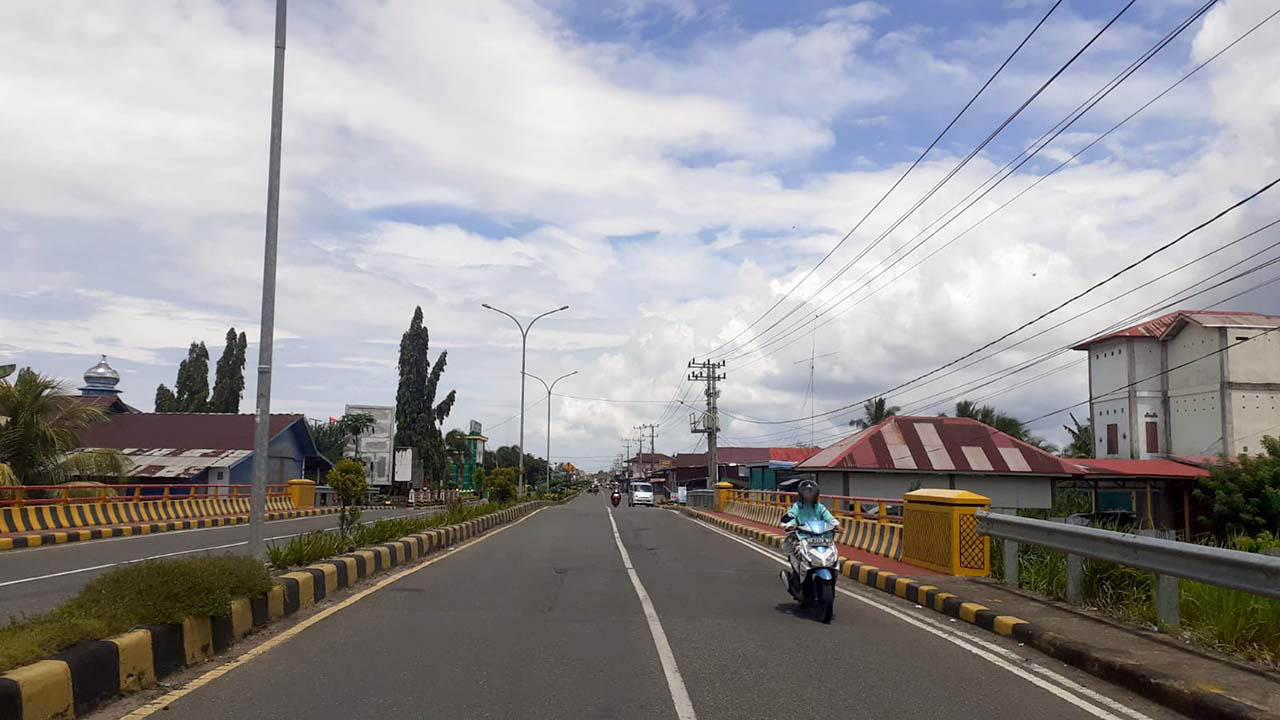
[641, 494]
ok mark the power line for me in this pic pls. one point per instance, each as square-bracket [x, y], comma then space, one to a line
[950, 174]
[1030, 151]
[1061, 305]
[913, 165]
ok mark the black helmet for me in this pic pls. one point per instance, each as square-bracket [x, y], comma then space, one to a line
[808, 491]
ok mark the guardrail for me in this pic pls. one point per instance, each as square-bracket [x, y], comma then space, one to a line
[886, 509]
[705, 499]
[72, 493]
[1169, 560]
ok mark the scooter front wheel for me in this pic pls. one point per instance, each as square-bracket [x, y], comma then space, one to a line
[826, 600]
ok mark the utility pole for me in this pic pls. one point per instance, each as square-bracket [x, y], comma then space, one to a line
[652, 433]
[626, 463]
[262, 424]
[708, 371]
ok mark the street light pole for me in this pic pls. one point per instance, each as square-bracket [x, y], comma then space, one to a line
[549, 389]
[524, 341]
[262, 424]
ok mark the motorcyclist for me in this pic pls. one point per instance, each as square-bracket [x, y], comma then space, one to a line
[804, 510]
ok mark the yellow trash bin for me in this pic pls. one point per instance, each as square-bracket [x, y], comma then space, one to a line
[722, 495]
[302, 493]
[940, 532]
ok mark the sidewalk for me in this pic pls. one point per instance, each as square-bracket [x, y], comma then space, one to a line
[1140, 660]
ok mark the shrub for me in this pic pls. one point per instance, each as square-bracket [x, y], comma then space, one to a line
[157, 591]
[348, 482]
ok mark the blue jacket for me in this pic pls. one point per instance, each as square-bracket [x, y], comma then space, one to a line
[808, 513]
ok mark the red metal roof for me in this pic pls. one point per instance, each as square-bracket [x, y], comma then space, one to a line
[1157, 327]
[792, 454]
[937, 444]
[744, 456]
[180, 431]
[1155, 467]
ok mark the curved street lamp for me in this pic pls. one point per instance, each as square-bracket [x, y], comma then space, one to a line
[549, 389]
[524, 341]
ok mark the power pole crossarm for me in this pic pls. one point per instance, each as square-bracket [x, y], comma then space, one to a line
[708, 371]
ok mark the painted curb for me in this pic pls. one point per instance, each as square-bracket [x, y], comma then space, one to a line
[1167, 690]
[86, 676]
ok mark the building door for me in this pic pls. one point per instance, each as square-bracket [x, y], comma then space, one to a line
[1153, 437]
[1113, 439]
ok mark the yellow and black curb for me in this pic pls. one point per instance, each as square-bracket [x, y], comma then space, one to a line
[1188, 698]
[83, 677]
[58, 537]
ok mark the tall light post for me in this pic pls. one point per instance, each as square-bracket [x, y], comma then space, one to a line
[261, 431]
[549, 389]
[524, 342]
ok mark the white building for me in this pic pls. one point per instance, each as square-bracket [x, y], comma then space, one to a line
[1207, 402]
[376, 444]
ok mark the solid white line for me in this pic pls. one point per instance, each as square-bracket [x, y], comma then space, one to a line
[175, 553]
[982, 648]
[675, 683]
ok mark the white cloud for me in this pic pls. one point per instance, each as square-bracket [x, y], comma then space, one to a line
[459, 153]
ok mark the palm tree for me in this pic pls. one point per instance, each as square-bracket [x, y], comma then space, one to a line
[874, 412]
[39, 434]
[1081, 445]
[987, 415]
[353, 425]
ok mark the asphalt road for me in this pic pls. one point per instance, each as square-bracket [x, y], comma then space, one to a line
[36, 579]
[542, 620]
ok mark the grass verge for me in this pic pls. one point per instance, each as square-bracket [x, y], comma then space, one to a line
[322, 544]
[158, 591]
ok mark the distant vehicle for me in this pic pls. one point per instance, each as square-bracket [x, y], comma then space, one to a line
[641, 494]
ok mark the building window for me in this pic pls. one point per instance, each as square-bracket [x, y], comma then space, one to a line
[1113, 439]
[1153, 437]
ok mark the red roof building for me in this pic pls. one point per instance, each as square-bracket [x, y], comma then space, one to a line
[904, 452]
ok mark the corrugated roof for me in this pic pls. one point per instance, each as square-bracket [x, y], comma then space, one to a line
[1155, 467]
[179, 431]
[1157, 327]
[937, 444]
[744, 456]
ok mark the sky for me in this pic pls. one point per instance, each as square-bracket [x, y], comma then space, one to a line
[669, 169]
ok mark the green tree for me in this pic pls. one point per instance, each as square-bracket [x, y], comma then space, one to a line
[191, 390]
[502, 484]
[455, 445]
[418, 416]
[507, 456]
[165, 400]
[988, 415]
[348, 482]
[874, 411]
[40, 437]
[1081, 445]
[353, 425]
[1242, 496]
[228, 383]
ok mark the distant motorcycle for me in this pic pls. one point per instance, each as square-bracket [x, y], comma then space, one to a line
[615, 498]
[814, 561]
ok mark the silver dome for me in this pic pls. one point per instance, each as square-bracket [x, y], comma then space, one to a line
[103, 373]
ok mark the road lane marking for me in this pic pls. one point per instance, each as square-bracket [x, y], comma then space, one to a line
[175, 553]
[675, 683]
[163, 702]
[989, 651]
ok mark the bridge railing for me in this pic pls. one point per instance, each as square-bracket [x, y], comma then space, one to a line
[1168, 559]
[73, 493]
[883, 510]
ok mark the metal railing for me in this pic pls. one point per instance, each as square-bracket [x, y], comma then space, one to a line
[1169, 560]
[705, 499]
[883, 510]
[72, 493]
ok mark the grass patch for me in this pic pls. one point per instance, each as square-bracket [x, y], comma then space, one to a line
[158, 591]
[322, 544]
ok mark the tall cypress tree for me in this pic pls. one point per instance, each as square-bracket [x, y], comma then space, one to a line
[192, 387]
[165, 400]
[418, 417]
[228, 384]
